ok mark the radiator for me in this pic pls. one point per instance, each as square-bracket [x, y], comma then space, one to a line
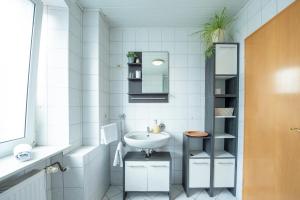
[31, 186]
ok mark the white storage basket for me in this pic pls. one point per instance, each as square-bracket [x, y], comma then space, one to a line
[224, 111]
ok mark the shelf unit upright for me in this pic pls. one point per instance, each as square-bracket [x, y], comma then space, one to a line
[222, 91]
[210, 162]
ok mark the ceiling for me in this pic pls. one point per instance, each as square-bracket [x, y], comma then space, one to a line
[133, 13]
[58, 3]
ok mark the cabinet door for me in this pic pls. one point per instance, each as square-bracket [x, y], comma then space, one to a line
[158, 176]
[224, 172]
[199, 173]
[226, 59]
[135, 176]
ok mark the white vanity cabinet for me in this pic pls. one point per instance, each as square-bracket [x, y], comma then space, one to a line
[224, 173]
[158, 176]
[226, 59]
[147, 174]
[199, 173]
[136, 176]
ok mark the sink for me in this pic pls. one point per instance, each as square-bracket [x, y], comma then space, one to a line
[142, 140]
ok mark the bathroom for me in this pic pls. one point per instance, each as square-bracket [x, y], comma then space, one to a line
[86, 120]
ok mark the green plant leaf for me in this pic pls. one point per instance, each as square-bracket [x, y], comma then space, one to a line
[220, 21]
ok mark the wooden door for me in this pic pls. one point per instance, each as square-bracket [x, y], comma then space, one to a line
[272, 108]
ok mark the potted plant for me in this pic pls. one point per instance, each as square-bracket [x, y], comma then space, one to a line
[131, 56]
[215, 31]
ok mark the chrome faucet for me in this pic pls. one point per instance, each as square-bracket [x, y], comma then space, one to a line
[148, 131]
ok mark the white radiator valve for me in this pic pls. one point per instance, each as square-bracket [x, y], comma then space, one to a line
[52, 169]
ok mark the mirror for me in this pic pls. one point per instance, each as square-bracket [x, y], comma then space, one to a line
[155, 72]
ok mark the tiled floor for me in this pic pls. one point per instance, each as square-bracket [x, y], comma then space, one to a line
[177, 193]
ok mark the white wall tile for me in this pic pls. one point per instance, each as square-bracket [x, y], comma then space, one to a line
[155, 46]
[74, 177]
[254, 23]
[129, 35]
[168, 46]
[268, 11]
[254, 7]
[90, 50]
[116, 35]
[73, 194]
[142, 46]
[90, 18]
[194, 73]
[116, 48]
[155, 35]
[90, 34]
[194, 60]
[116, 73]
[181, 48]
[179, 60]
[181, 35]
[168, 35]
[128, 46]
[90, 98]
[282, 4]
[181, 74]
[95, 86]
[194, 48]
[142, 35]
[116, 86]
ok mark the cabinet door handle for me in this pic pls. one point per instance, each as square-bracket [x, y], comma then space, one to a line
[136, 166]
[227, 47]
[200, 163]
[225, 163]
[159, 166]
[150, 98]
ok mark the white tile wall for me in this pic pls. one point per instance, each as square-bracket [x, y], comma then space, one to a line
[186, 107]
[53, 112]
[86, 175]
[251, 17]
[95, 74]
[60, 110]
[75, 78]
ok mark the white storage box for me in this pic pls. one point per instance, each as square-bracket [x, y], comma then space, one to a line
[224, 111]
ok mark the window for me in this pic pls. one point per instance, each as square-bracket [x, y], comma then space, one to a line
[19, 31]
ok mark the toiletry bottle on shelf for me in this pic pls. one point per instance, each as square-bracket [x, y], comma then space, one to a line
[138, 74]
[156, 128]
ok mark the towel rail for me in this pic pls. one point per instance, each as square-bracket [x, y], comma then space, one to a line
[122, 129]
[148, 98]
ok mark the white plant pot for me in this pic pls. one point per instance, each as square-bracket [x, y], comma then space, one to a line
[218, 35]
[130, 59]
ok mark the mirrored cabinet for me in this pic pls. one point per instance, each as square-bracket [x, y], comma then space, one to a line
[148, 77]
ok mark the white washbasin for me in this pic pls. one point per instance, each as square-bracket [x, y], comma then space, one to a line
[142, 140]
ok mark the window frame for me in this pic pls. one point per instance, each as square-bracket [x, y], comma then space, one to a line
[6, 148]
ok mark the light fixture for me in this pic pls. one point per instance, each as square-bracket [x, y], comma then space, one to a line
[158, 62]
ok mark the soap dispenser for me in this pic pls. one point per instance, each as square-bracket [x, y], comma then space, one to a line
[156, 128]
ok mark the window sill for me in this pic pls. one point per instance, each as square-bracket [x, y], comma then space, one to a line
[9, 165]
